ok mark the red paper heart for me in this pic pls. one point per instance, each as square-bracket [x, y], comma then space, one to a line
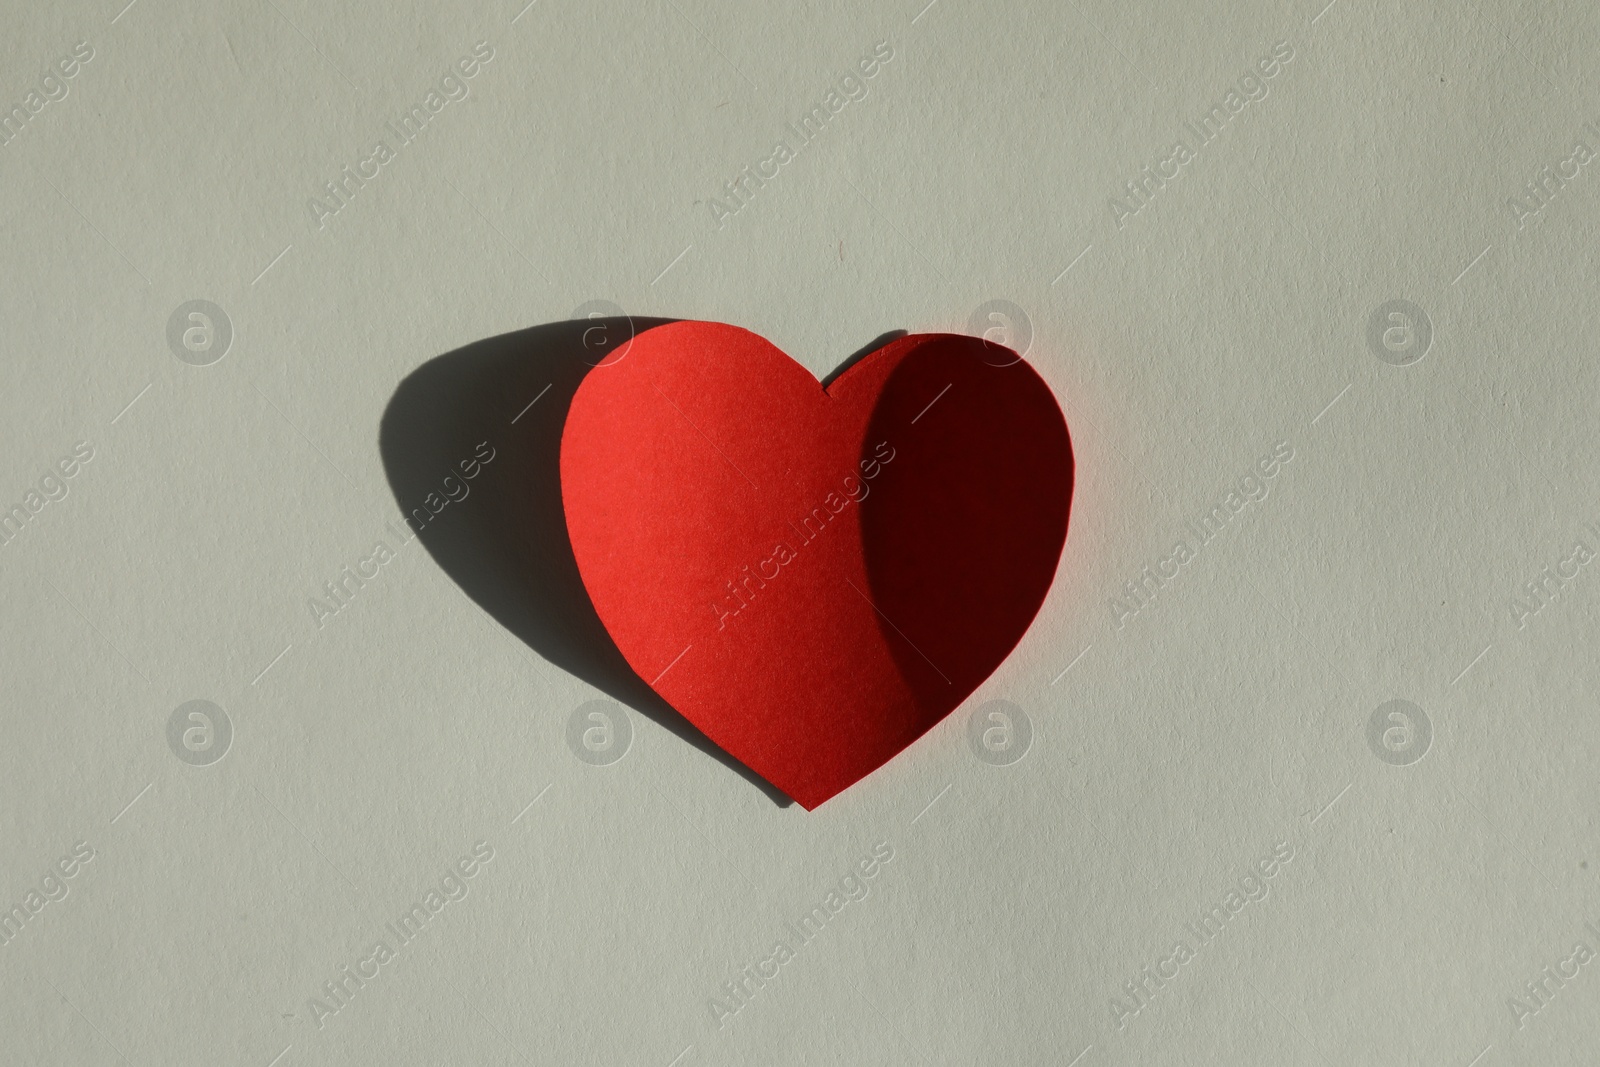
[814, 576]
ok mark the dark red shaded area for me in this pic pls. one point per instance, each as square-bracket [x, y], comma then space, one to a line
[814, 577]
[962, 544]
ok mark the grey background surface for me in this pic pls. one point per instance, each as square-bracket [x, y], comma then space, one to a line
[1241, 307]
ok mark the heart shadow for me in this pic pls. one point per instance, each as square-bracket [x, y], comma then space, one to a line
[504, 539]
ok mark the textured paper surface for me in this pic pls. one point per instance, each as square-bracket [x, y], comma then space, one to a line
[1236, 327]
